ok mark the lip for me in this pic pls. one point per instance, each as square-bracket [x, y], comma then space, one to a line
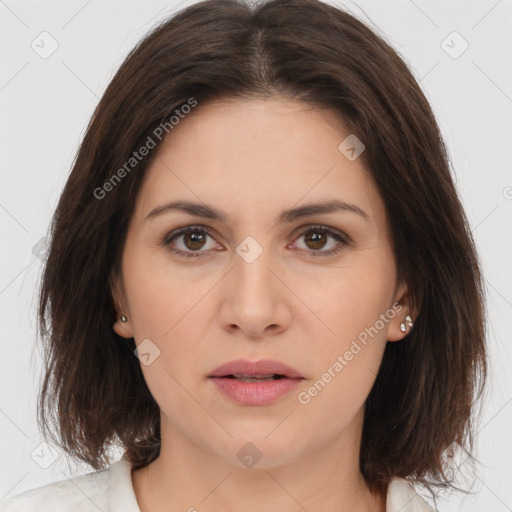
[261, 367]
[255, 393]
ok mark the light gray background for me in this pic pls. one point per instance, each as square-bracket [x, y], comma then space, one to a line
[45, 105]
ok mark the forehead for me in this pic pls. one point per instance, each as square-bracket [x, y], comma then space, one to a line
[255, 156]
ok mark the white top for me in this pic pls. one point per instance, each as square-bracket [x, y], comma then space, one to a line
[111, 490]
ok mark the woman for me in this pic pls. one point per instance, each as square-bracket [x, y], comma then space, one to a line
[261, 283]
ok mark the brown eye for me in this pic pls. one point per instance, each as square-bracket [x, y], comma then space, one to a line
[317, 238]
[189, 242]
[192, 241]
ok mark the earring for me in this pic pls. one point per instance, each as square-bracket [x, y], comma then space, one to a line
[408, 319]
[124, 319]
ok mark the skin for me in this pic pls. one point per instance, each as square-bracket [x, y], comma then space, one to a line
[251, 159]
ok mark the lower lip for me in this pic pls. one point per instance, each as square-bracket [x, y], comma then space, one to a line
[255, 393]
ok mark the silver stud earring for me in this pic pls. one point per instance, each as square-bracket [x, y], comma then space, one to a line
[408, 319]
[124, 319]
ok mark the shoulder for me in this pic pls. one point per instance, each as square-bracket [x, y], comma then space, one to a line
[402, 497]
[80, 494]
[105, 490]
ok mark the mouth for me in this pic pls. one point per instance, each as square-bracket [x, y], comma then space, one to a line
[255, 383]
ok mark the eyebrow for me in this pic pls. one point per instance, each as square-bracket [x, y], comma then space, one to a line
[286, 216]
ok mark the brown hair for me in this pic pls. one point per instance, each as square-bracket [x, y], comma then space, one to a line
[423, 398]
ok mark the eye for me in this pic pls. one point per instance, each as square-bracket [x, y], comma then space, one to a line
[191, 241]
[316, 238]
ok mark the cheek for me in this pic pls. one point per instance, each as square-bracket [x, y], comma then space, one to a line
[170, 308]
[161, 297]
[347, 360]
[354, 336]
[350, 302]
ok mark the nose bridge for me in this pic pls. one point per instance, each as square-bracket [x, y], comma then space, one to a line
[252, 276]
[254, 302]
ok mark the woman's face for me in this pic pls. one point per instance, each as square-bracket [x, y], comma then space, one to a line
[314, 291]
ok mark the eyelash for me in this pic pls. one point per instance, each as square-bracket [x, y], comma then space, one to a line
[344, 240]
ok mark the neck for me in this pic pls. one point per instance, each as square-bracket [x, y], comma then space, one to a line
[189, 477]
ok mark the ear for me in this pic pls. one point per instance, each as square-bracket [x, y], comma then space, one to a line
[402, 308]
[123, 329]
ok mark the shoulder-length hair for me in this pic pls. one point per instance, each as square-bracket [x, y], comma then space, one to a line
[422, 401]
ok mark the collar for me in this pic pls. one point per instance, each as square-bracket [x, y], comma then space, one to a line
[121, 494]
[402, 497]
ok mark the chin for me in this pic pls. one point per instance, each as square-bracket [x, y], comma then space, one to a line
[259, 450]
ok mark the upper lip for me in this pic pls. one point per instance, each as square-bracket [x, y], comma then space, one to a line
[252, 368]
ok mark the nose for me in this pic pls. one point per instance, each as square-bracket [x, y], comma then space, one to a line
[254, 298]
